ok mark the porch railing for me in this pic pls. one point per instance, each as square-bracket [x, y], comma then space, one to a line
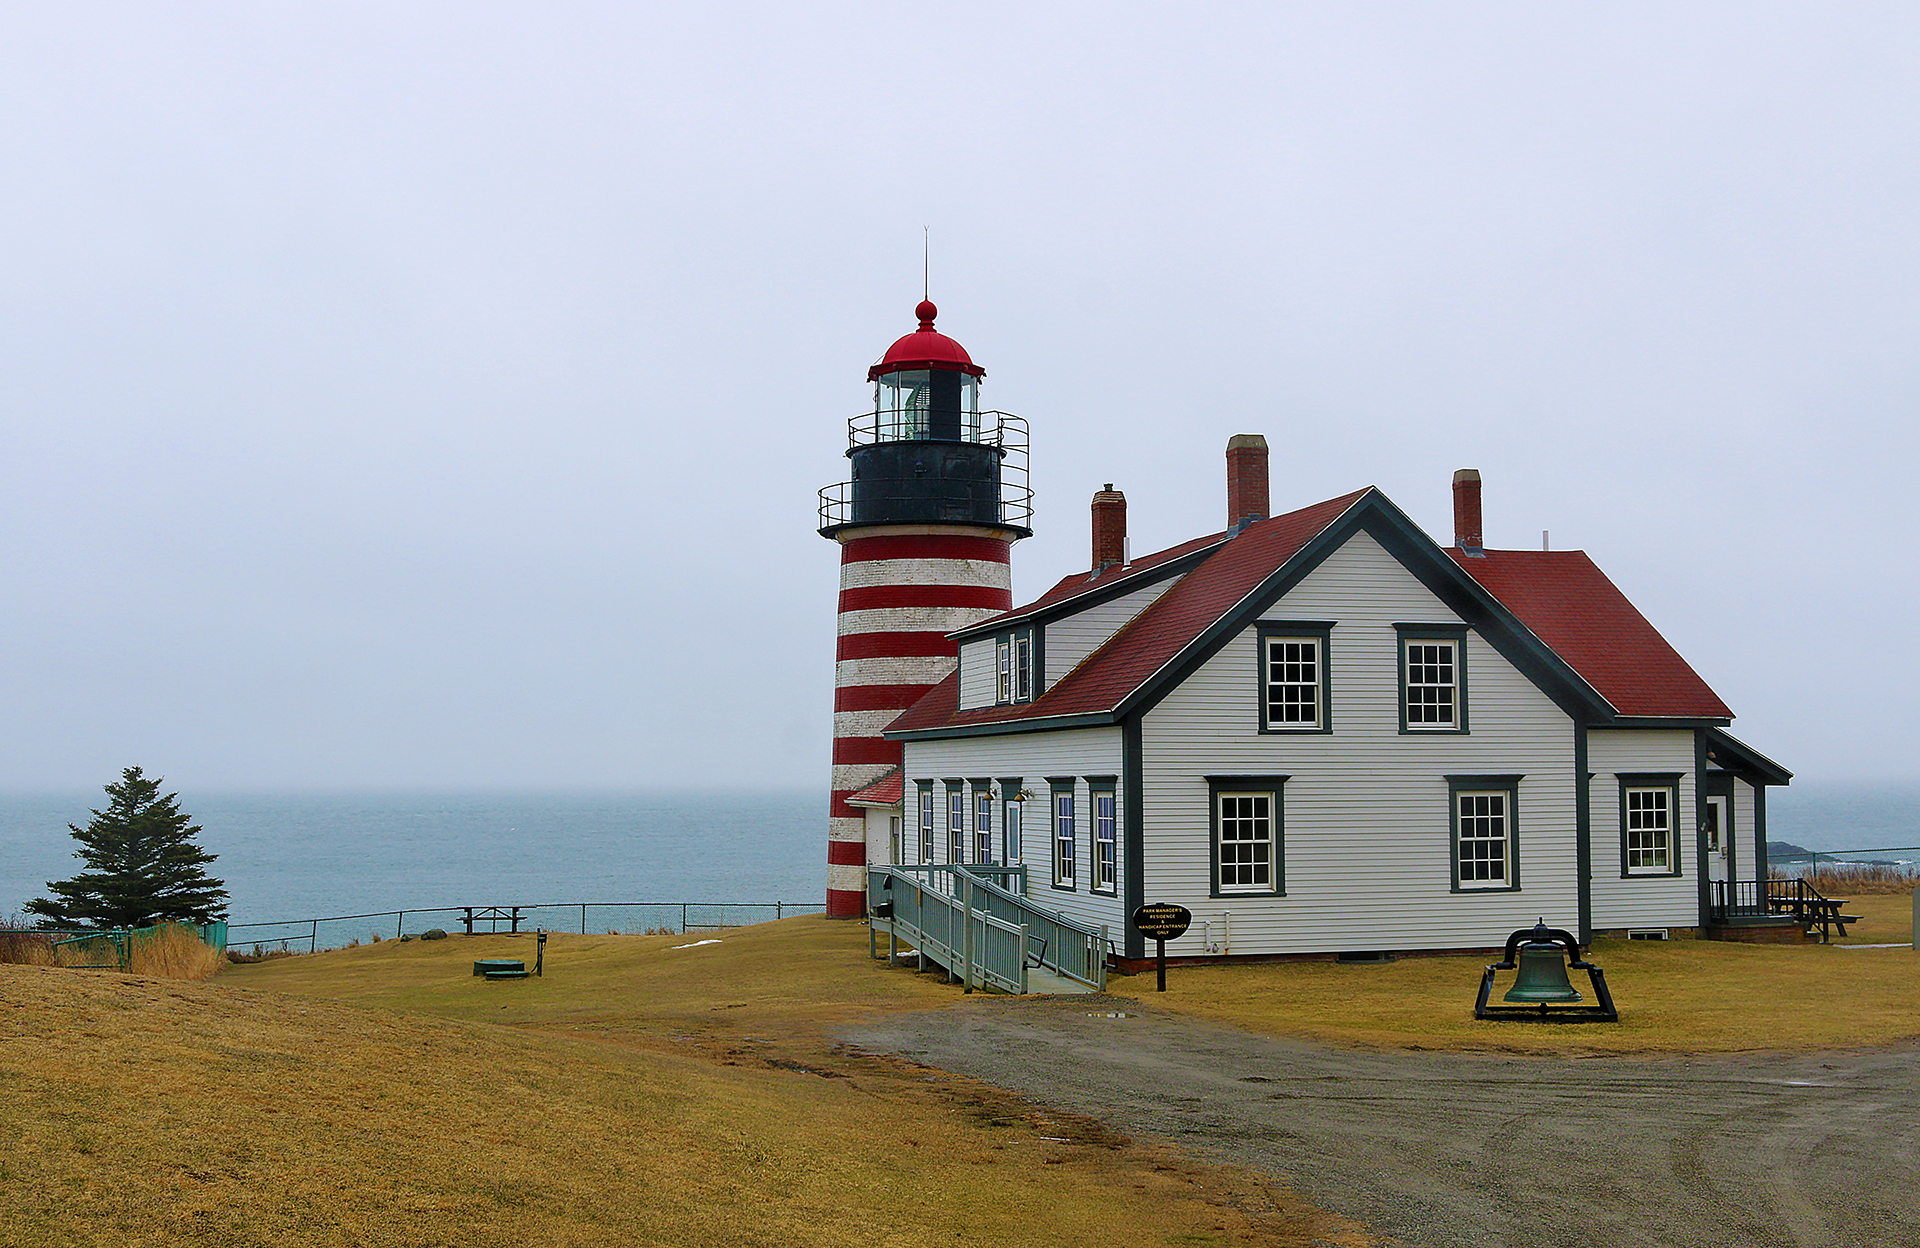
[982, 932]
[1734, 900]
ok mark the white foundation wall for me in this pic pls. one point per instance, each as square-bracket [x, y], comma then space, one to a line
[1642, 901]
[1069, 641]
[1367, 813]
[1032, 756]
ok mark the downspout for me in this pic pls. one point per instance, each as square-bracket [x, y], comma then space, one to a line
[1583, 832]
[1704, 889]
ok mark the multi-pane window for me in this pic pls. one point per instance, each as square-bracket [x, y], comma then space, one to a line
[1013, 668]
[926, 821]
[956, 823]
[1063, 839]
[1484, 839]
[982, 824]
[1106, 870]
[1245, 832]
[1010, 830]
[1293, 682]
[1649, 815]
[1432, 685]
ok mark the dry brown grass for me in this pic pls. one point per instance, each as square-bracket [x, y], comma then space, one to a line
[21, 946]
[638, 1093]
[1683, 995]
[172, 952]
[1855, 880]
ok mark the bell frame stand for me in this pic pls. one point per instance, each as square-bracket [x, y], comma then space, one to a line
[1603, 1012]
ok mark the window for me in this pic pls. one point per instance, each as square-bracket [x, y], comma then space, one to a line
[1106, 864]
[1485, 832]
[1247, 855]
[1010, 814]
[926, 819]
[983, 821]
[1293, 677]
[1648, 801]
[1016, 662]
[893, 838]
[956, 821]
[1433, 677]
[1063, 833]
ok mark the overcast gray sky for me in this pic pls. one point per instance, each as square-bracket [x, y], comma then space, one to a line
[434, 395]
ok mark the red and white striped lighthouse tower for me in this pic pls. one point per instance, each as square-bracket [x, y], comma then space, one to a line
[937, 498]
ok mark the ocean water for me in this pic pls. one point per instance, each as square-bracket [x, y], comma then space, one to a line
[304, 856]
[301, 856]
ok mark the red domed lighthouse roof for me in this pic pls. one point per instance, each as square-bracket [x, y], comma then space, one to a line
[926, 348]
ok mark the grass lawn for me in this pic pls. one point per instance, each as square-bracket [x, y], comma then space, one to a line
[1684, 995]
[639, 1093]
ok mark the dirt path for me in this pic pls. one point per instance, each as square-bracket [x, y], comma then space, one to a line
[1450, 1150]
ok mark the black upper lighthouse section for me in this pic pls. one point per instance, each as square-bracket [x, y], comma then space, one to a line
[926, 453]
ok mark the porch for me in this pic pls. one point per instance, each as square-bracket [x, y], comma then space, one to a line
[1737, 909]
[971, 921]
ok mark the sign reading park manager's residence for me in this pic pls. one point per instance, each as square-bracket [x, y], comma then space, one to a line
[1161, 921]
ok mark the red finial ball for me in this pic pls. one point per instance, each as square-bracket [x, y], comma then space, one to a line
[926, 312]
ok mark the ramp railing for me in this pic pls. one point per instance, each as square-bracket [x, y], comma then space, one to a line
[982, 933]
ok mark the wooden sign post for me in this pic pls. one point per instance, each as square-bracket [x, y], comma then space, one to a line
[1161, 922]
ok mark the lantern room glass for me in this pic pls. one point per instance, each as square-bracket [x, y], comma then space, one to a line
[917, 403]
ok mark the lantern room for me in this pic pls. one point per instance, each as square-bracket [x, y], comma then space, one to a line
[926, 453]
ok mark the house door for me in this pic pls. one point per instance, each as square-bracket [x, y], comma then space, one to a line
[1717, 829]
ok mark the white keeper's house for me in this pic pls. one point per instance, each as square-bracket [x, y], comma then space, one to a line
[1323, 732]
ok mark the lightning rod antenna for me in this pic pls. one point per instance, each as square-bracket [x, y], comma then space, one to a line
[926, 262]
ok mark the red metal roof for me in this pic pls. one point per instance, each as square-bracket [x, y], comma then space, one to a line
[888, 790]
[1153, 637]
[1560, 596]
[1572, 606]
[1079, 583]
[926, 347]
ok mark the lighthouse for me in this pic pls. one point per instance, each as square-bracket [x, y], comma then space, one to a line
[936, 498]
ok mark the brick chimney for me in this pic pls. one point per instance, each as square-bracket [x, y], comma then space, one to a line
[1466, 511]
[1246, 478]
[1109, 527]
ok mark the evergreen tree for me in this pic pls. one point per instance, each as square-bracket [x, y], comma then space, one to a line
[145, 866]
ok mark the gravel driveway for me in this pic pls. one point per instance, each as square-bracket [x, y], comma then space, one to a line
[1442, 1150]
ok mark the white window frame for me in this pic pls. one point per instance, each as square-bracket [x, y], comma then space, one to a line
[1654, 834]
[1469, 828]
[1023, 667]
[1003, 670]
[1065, 839]
[983, 823]
[1257, 860]
[1106, 840]
[926, 821]
[1316, 687]
[1451, 685]
[1011, 817]
[956, 823]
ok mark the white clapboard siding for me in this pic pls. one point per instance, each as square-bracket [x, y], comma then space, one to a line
[880, 834]
[1641, 901]
[1367, 831]
[979, 685]
[1749, 851]
[1033, 756]
[1072, 639]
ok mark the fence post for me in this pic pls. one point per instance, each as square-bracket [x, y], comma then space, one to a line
[313, 940]
[683, 918]
[400, 925]
[966, 932]
[583, 918]
[778, 910]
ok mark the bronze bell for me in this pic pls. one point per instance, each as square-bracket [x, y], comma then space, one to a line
[1542, 976]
